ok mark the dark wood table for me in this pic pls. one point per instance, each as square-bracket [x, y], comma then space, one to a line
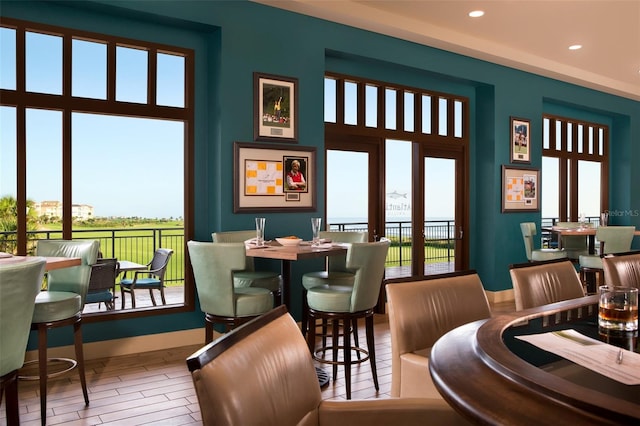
[52, 262]
[489, 379]
[588, 232]
[288, 254]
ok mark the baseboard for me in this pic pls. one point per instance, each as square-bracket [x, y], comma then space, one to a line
[500, 296]
[129, 346]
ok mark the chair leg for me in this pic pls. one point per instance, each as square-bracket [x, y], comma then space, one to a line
[132, 293]
[335, 325]
[304, 322]
[42, 367]
[122, 296]
[153, 300]
[354, 328]
[77, 336]
[208, 332]
[11, 400]
[371, 347]
[164, 301]
[346, 337]
[311, 336]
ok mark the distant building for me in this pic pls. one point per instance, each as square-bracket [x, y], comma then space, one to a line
[54, 209]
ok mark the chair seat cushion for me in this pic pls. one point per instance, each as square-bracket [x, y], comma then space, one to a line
[252, 301]
[547, 254]
[99, 297]
[263, 279]
[314, 279]
[330, 298]
[141, 283]
[56, 306]
[415, 378]
[594, 262]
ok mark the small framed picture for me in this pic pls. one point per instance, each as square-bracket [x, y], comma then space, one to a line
[520, 140]
[275, 108]
[520, 189]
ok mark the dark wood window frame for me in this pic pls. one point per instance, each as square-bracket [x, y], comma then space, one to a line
[22, 100]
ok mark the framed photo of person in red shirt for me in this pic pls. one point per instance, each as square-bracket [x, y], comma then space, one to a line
[295, 170]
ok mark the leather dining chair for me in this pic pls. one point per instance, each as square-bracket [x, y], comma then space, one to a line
[20, 283]
[249, 277]
[541, 283]
[261, 373]
[61, 305]
[420, 313]
[622, 269]
[150, 279]
[221, 301]
[529, 231]
[342, 301]
[613, 239]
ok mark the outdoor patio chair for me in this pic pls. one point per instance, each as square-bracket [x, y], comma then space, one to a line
[149, 279]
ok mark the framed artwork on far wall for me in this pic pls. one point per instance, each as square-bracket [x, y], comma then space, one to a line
[520, 189]
[275, 108]
[520, 140]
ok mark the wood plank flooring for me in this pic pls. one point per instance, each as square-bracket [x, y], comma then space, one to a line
[156, 388]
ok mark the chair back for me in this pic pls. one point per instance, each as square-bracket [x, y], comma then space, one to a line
[366, 261]
[339, 263]
[20, 283]
[74, 279]
[421, 312]
[213, 265]
[103, 274]
[528, 230]
[159, 262]
[236, 237]
[616, 239]
[622, 269]
[258, 373]
[541, 283]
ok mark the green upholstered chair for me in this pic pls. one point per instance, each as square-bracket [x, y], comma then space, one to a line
[336, 267]
[533, 255]
[622, 269]
[249, 277]
[574, 245]
[213, 266]
[62, 305]
[102, 284]
[343, 300]
[150, 279]
[613, 239]
[20, 283]
[541, 283]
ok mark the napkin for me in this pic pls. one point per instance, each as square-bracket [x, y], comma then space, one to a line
[251, 243]
[590, 353]
[4, 255]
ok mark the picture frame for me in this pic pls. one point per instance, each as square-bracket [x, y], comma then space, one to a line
[520, 140]
[275, 108]
[264, 179]
[520, 189]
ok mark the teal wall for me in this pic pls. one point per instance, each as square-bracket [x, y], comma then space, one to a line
[232, 39]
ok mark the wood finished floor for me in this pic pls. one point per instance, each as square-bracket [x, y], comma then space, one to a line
[156, 388]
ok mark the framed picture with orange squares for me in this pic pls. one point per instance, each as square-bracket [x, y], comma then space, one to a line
[520, 189]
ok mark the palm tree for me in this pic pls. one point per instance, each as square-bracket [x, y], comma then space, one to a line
[9, 221]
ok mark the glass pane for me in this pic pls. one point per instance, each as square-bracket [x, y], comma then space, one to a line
[545, 133]
[580, 142]
[409, 112]
[426, 114]
[589, 190]
[442, 117]
[89, 69]
[43, 63]
[109, 199]
[7, 58]
[44, 163]
[371, 108]
[550, 176]
[354, 214]
[350, 103]
[329, 100]
[457, 125]
[390, 109]
[171, 81]
[398, 212]
[439, 214]
[131, 75]
[558, 135]
[569, 137]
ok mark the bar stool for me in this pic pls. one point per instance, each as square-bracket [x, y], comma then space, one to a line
[62, 305]
[341, 302]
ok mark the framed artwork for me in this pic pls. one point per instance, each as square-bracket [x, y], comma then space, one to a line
[275, 108]
[520, 189]
[520, 140]
[272, 178]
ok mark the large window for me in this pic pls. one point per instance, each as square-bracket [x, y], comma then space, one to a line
[575, 166]
[95, 138]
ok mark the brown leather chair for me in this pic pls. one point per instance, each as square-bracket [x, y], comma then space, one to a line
[419, 314]
[622, 269]
[261, 373]
[541, 283]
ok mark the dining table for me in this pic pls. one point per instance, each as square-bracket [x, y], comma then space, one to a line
[546, 365]
[289, 254]
[52, 262]
[588, 232]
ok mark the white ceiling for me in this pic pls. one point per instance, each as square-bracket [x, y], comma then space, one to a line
[531, 35]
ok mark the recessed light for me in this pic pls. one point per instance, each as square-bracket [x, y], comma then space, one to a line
[575, 47]
[476, 13]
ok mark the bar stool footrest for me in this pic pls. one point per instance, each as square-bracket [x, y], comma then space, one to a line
[72, 364]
